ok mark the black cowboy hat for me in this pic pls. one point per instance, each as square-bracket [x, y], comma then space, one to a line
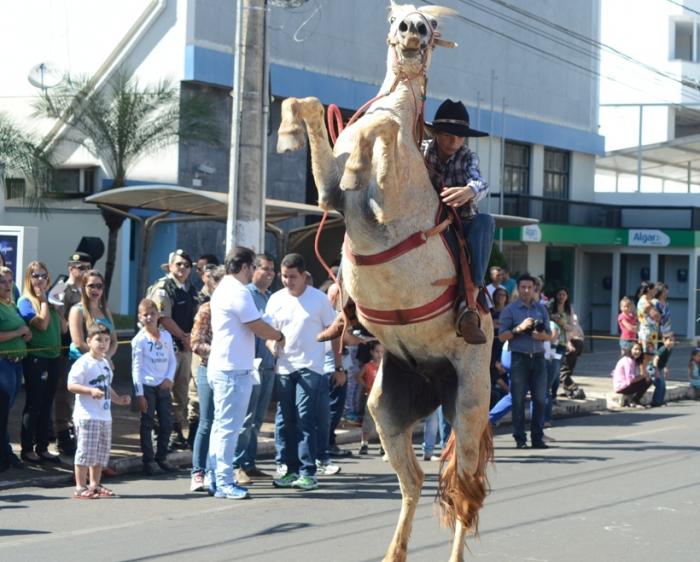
[453, 118]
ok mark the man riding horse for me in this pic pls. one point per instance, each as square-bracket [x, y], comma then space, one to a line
[454, 172]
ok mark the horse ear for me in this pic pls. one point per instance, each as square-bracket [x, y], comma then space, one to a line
[437, 11]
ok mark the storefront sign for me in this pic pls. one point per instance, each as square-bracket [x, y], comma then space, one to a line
[648, 238]
[532, 233]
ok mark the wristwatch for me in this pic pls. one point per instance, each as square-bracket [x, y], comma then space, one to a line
[339, 369]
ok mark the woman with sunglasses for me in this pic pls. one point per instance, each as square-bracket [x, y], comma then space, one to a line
[42, 365]
[14, 334]
[92, 309]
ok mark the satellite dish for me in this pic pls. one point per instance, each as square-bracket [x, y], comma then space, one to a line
[45, 75]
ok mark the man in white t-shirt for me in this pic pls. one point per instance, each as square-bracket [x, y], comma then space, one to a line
[300, 312]
[235, 321]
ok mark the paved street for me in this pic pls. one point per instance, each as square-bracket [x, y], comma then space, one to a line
[615, 486]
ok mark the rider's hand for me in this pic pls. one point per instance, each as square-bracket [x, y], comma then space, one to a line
[457, 196]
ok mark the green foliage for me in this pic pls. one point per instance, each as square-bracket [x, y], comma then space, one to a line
[21, 156]
[126, 121]
[496, 259]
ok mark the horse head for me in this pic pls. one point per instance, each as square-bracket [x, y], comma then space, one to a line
[413, 33]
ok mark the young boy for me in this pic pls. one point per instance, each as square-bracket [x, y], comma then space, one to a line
[90, 379]
[366, 379]
[659, 370]
[153, 367]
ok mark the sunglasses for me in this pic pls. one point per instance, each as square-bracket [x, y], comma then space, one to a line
[81, 267]
[97, 286]
[40, 275]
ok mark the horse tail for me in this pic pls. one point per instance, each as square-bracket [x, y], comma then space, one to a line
[461, 496]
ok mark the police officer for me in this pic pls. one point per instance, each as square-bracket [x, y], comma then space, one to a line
[176, 300]
[78, 264]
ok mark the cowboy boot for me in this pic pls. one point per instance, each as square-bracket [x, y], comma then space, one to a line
[468, 326]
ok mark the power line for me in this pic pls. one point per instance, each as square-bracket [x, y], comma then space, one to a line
[675, 3]
[683, 81]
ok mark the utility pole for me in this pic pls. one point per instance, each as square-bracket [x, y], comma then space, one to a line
[245, 224]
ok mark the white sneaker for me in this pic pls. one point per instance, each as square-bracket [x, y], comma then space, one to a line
[197, 482]
[281, 469]
[327, 469]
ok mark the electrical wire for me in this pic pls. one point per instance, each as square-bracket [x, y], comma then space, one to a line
[683, 81]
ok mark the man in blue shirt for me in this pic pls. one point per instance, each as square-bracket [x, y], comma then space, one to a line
[525, 324]
[247, 447]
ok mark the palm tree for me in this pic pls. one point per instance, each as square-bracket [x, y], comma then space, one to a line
[125, 122]
[21, 155]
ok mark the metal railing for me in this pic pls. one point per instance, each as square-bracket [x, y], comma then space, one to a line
[584, 213]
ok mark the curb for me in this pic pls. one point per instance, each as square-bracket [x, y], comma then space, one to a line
[565, 407]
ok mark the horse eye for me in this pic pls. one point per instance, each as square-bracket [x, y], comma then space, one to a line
[422, 29]
[392, 19]
[403, 27]
[433, 23]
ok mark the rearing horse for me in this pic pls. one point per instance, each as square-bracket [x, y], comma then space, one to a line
[402, 277]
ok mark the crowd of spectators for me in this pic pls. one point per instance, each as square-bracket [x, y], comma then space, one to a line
[193, 389]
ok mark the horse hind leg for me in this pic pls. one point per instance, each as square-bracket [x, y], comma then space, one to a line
[397, 442]
[464, 485]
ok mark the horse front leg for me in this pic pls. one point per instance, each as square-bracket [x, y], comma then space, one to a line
[396, 440]
[290, 137]
[376, 141]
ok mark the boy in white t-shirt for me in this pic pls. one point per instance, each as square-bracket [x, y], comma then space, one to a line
[153, 366]
[90, 379]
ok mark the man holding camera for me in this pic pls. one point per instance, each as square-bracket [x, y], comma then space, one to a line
[525, 324]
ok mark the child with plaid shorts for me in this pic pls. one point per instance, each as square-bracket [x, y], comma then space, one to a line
[90, 379]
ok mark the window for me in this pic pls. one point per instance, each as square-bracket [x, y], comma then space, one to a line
[15, 188]
[556, 174]
[73, 181]
[516, 168]
[686, 37]
[556, 186]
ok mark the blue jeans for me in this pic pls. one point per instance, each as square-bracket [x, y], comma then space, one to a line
[323, 415]
[552, 367]
[10, 383]
[158, 401]
[298, 405]
[434, 422]
[247, 448]
[200, 447]
[528, 372]
[479, 234]
[338, 394]
[231, 397]
[657, 398]
[501, 408]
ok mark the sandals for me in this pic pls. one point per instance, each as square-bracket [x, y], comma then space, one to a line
[84, 493]
[103, 492]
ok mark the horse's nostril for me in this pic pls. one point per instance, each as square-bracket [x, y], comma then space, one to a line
[403, 28]
[422, 29]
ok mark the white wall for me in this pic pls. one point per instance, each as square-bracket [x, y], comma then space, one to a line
[60, 233]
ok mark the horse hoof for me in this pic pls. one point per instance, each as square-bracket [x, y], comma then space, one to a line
[290, 140]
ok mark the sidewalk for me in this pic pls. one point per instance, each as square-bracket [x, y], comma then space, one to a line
[126, 454]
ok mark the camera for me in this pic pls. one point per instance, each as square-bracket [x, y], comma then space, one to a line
[539, 326]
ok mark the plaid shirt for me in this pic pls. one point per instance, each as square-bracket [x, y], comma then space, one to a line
[462, 168]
